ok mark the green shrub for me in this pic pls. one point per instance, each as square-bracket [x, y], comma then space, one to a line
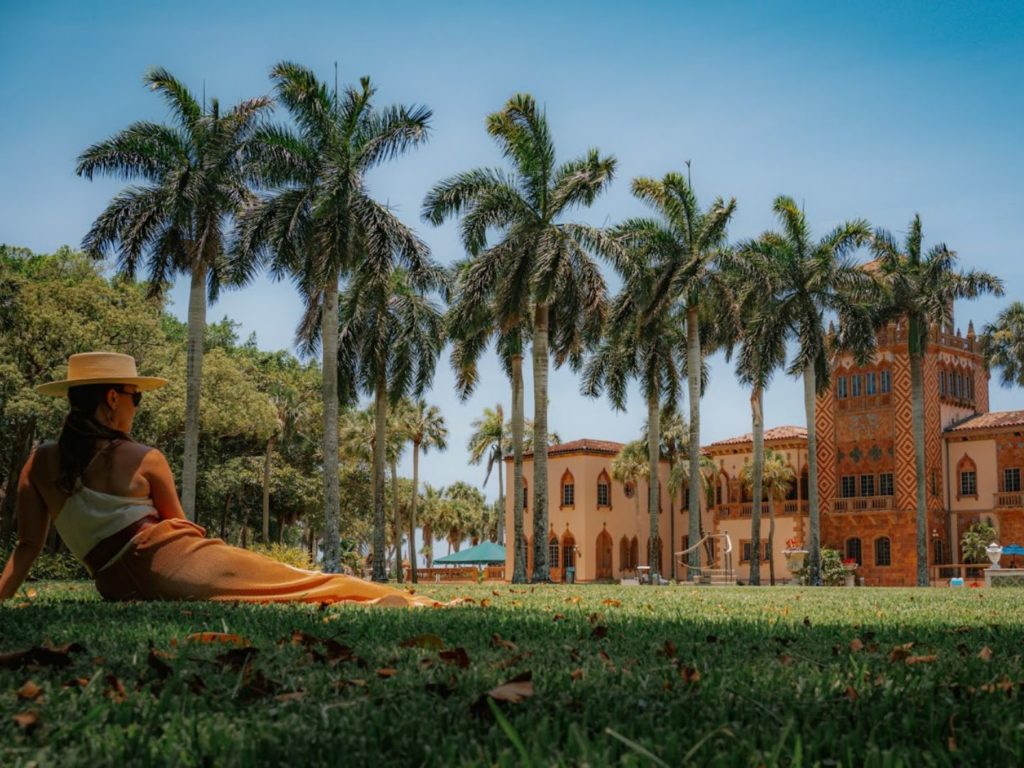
[297, 557]
[832, 572]
[975, 539]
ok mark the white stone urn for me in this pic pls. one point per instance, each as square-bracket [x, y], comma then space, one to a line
[994, 552]
[795, 559]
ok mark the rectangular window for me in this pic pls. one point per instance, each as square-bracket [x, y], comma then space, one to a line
[970, 388]
[885, 484]
[968, 483]
[841, 388]
[855, 385]
[853, 550]
[871, 383]
[603, 495]
[746, 552]
[849, 486]
[886, 378]
[867, 485]
[942, 383]
[956, 386]
[883, 551]
[1011, 480]
[568, 495]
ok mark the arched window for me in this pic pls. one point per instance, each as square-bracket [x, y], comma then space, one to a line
[604, 555]
[634, 552]
[967, 478]
[853, 550]
[604, 490]
[883, 551]
[568, 552]
[553, 551]
[624, 554]
[568, 490]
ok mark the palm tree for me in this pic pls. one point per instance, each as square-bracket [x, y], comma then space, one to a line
[675, 439]
[631, 465]
[776, 479]
[538, 258]
[425, 428]
[685, 245]
[318, 222]
[810, 279]
[1002, 344]
[646, 346]
[432, 500]
[175, 221]
[921, 289]
[391, 334]
[488, 439]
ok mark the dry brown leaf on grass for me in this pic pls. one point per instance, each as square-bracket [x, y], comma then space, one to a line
[387, 672]
[689, 674]
[456, 656]
[114, 689]
[573, 599]
[900, 652]
[45, 655]
[515, 690]
[576, 674]
[911, 660]
[291, 696]
[851, 693]
[27, 721]
[30, 691]
[985, 654]
[613, 603]
[856, 645]
[75, 682]
[427, 641]
[217, 638]
[600, 632]
[558, 617]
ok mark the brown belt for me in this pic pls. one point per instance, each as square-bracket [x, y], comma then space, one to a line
[103, 552]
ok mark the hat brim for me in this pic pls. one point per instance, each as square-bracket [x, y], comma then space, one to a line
[60, 388]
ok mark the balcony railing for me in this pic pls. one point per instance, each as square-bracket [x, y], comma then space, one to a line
[1009, 500]
[746, 508]
[862, 504]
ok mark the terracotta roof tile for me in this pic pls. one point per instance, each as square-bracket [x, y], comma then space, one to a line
[775, 433]
[590, 446]
[989, 421]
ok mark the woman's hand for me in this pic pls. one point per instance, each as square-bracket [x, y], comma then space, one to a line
[33, 525]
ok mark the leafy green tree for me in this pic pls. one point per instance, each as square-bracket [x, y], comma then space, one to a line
[175, 221]
[810, 279]
[974, 540]
[426, 430]
[538, 258]
[920, 289]
[684, 246]
[391, 334]
[1002, 344]
[318, 222]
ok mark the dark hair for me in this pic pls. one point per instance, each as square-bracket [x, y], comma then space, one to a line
[76, 446]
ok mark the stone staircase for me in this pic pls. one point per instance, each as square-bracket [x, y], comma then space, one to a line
[717, 577]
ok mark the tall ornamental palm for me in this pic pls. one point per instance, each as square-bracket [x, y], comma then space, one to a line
[645, 346]
[425, 429]
[760, 334]
[685, 245]
[316, 221]
[812, 278]
[175, 220]
[1002, 344]
[488, 441]
[390, 336]
[539, 257]
[675, 440]
[921, 288]
[777, 478]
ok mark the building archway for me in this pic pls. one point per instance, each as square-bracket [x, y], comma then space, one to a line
[554, 559]
[603, 552]
[568, 552]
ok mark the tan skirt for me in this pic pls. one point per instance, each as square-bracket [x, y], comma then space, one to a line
[173, 560]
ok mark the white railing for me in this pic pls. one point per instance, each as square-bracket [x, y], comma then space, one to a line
[726, 555]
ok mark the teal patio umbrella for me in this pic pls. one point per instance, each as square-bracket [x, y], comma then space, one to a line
[487, 553]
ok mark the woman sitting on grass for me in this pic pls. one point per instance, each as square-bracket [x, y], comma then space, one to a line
[115, 506]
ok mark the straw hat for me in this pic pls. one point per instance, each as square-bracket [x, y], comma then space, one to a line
[100, 368]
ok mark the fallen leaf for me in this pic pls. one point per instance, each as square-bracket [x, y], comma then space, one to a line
[115, 689]
[600, 632]
[856, 645]
[75, 682]
[31, 593]
[985, 654]
[612, 603]
[576, 674]
[27, 721]
[498, 642]
[689, 674]
[495, 593]
[851, 693]
[387, 672]
[558, 617]
[456, 656]
[515, 690]
[428, 641]
[785, 659]
[290, 696]
[573, 599]
[30, 691]
[217, 638]
[921, 659]
[900, 652]
[485, 602]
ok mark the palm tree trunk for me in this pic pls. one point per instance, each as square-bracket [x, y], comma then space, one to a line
[653, 455]
[771, 541]
[428, 544]
[412, 510]
[380, 569]
[268, 457]
[501, 492]
[757, 413]
[519, 575]
[399, 574]
[814, 520]
[693, 386]
[193, 386]
[917, 415]
[541, 567]
[332, 484]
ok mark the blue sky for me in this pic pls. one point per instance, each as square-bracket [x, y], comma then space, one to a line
[872, 109]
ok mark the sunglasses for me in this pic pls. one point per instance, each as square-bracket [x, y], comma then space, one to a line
[136, 396]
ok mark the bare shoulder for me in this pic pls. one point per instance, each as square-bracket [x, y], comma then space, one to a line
[152, 459]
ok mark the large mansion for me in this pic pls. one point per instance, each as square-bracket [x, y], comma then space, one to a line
[867, 481]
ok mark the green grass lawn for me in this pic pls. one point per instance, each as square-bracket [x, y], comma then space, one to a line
[620, 675]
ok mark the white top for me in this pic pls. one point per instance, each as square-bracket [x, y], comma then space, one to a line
[88, 517]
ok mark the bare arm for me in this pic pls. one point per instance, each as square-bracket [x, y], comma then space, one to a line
[33, 525]
[158, 473]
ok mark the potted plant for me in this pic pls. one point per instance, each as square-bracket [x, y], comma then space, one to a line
[795, 555]
[849, 566]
